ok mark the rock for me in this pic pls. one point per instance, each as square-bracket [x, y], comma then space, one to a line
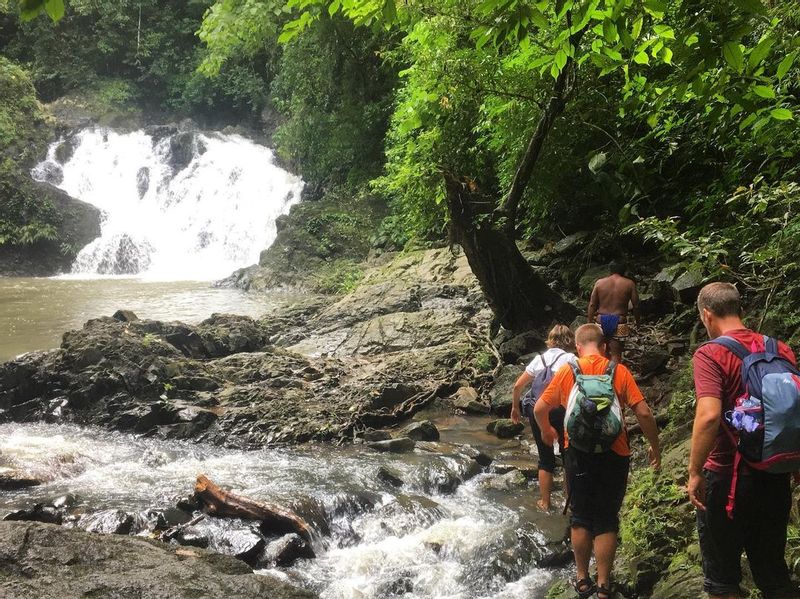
[571, 242]
[687, 286]
[653, 360]
[370, 436]
[61, 562]
[189, 504]
[38, 513]
[78, 224]
[64, 501]
[398, 445]
[504, 428]
[528, 468]
[590, 276]
[182, 147]
[192, 537]
[393, 395]
[500, 395]
[108, 522]
[478, 456]
[64, 151]
[521, 345]
[423, 430]
[143, 181]
[390, 476]
[466, 399]
[12, 480]
[170, 517]
[506, 482]
[241, 543]
[125, 316]
[285, 551]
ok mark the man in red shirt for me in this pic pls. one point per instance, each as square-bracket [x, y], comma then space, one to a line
[763, 500]
[597, 481]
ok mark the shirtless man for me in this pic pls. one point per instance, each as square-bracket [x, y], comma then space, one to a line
[611, 298]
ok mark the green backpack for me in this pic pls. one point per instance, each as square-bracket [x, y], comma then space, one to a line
[594, 417]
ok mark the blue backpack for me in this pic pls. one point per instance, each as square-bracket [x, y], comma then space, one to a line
[539, 384]
[764, 423]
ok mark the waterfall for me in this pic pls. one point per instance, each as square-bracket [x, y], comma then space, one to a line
[177, 204]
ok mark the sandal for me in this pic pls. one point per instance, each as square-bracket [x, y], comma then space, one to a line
[584, 587]
[604, 592]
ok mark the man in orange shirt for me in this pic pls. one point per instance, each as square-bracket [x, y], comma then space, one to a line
[597, 481]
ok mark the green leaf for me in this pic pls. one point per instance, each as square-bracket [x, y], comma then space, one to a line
[751, 6]
[785, 65]
[637, 28]
[539, 19]
[765, 91]
[55, 9]
[760, 52]
[641, 58]
[610, 31]
[597, 161]
[664, 31]
[333, 7]
[389, 11]
[656, 8]
[781, 114]
[560, 60]
[732, 53]
[666, 56]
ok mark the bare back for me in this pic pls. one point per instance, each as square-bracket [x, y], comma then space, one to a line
[612, 295]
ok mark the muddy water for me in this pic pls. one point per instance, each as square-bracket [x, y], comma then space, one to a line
[35, 313]
[373, 541]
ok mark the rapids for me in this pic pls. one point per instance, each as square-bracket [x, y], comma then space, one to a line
[374, 540]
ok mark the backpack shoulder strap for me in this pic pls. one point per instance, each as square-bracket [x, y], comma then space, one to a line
[611, 369]
[554, 359]
[771, 345]
[729, 343]
[576, 369]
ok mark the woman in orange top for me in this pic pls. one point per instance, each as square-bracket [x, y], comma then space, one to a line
[597, 481]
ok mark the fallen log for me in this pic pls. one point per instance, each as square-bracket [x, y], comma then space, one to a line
[274, 519]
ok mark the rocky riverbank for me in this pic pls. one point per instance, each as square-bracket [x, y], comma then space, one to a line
[49, 561]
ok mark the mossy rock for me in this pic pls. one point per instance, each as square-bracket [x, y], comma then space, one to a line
[561, 590]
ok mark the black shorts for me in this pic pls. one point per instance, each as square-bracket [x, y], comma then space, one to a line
[597, 483]
[758, 528]
[547, 457]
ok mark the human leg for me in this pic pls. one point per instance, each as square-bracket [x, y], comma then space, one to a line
[607, 497]
[721, 541]
[605, 548]
[765, 501]
[547, 465]
[582, 549]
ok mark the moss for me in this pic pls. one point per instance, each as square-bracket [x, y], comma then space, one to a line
[337, 277]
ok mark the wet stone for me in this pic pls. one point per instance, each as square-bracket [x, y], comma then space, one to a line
[504, 428]
[285, 551]
[390, 476]
[63, 502]
[399, 445]
[108, 522]
[241, 543]
[12, 480]
[192, 537]
[371, 436]
[38, 513]
[424, 430]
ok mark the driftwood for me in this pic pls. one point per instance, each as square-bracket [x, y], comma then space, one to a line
[219, 502]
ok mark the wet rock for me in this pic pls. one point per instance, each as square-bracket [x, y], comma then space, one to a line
[687, 286]
[390, 476]
[125, 316]
[506, 482]
[189, 504]
[64, 501]
[520, 345]
[182, 147]
[159, 132]
[439, 478]
[528, 468]
[172, 517]
[143, 181]
[370, 436]
[500, 395]
[504, 428]
[192, 537]
[481, 458]
[38, 513]
[284, 552]
[399, 445]
[12, 480]
[242, 543]
[61, 562]
[393, 395]
[108, 522]
[467, 399]
[64, 151]
[424, 430]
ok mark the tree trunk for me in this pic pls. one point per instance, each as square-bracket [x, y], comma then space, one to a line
[520, 299]
[220, 502]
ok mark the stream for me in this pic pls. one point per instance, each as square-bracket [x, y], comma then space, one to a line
[436, 536]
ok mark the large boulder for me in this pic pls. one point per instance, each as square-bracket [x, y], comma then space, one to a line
[505, 428]
[500, 395]
[424, 430]
[41, 560]
[78, 224]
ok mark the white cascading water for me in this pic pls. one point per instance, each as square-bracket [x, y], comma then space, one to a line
[189, 206]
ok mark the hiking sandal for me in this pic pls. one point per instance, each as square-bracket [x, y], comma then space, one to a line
[604, 592]
[584, 587]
